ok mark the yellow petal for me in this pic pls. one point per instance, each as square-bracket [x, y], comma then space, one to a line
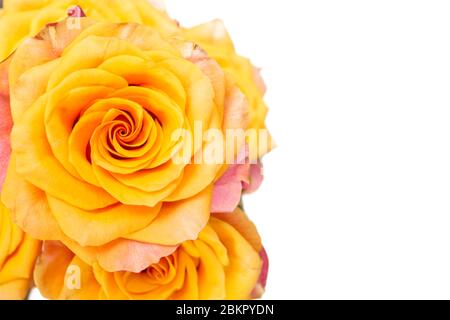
[17, 256]
[211, 275]
[239, 220]
[244, 268]
[61, 275]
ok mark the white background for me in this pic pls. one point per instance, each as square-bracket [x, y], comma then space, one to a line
[356, 201]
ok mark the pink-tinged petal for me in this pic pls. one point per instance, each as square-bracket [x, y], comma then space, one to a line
[259, 81]
[76, 12]
[158, 4]
[226, 197]
[237, 109]
[239, 177]
[208, 66]
[133, 256]
[242, 156]
[228, 189]
[256, 178]
[5, 121]
[235, 173]
[236, 106]
[260, 287]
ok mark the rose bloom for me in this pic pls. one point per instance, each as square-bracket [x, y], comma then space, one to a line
[18, 253]
[223, 263]
[31, 16]
[94, 109]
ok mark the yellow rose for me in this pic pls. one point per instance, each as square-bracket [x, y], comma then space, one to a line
[18, 252]
[28, 17]
[95, 107]
[223, 263]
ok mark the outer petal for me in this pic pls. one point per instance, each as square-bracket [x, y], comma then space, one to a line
[214, 38]
[29, 207]
[51, 274]
[5, 122]
[131, 256]
[18, 253]
[256, 178]
[226, 196]
[245, 265]
[93, 228]
[260, 287]
[190, 215]
[240, 221]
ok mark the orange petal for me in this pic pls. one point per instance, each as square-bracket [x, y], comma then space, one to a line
[57, 270]
[177, 221]
[17, 261]
[51, 267]
[29, 207]
[94, 228]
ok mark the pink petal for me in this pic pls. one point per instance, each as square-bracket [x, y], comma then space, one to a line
[226, 197]
[228, 189]
[5, 121]
[256, 178]
[239, 177]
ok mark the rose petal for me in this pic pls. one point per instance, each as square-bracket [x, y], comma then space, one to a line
[5, 122]
[133, 256]
[158, 4]
[244, 268]
[52, 271]
[238, 177]
[226, 197]
[76, 12]
[178, 221]
[256, 178]
[29, 207]
[259, 81]
[237, 108]
[260, 287]
[240, 221]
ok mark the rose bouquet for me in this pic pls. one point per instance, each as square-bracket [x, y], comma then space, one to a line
[126, 144]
